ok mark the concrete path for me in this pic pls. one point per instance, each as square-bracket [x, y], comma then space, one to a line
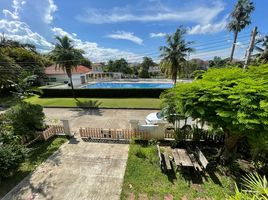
[97, 118]
[77, 171]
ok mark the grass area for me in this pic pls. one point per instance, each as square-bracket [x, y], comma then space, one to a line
[97, 102]
[143, 176]
[39, 152]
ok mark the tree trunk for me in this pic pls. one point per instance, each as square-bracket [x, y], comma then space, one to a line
[233, 46]
[69, 73]
[230, 144]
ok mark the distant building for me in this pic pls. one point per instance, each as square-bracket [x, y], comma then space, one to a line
[155, 71]
[97, 73]
[57, 75]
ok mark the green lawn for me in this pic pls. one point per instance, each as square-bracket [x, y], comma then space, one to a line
[143, 176]
[39, 152]
[98, 102]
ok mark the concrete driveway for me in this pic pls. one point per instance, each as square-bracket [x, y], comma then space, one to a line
[97, 118]
[77, 171]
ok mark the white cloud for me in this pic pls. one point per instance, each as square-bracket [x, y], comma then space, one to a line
[51, 8]
[20, 31]
[94, 52]
[156, 35]
[202, 14]
[17, 6]
[122, 35]
[209, 28]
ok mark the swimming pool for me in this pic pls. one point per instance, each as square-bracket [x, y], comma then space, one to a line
[128, 85]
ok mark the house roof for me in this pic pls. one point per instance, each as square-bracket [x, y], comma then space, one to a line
[80, 69]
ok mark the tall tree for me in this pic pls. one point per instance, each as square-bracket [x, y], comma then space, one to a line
[262, 49]
[175, 52]
[145, 65]
[120, 65]
[67, 57]
[227, 98]
[240, 19]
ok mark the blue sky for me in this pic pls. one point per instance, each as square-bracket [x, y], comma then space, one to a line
[108, 29]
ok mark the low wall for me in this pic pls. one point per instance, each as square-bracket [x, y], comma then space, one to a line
[103, 92]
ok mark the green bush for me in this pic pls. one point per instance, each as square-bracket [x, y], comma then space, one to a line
[10, 158]
[103, 93]
[26, 118]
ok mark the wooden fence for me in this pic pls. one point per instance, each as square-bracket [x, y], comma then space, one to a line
[113, 134]
[51, 131]
[189, 136]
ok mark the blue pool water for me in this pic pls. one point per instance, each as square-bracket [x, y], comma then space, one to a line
[128, 85]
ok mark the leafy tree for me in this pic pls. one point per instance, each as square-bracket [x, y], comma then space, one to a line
[175, 52]
[218, 62]
[10, 158]
[120, 65]
[25, 119]
[9, 70]
[227, 98]
[145, 65]
[86, 62]
[240, 19]
[262, 54]
[67, 57]
[11, 151]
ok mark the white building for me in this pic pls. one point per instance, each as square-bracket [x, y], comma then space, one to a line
[97, 73]
[57, 75]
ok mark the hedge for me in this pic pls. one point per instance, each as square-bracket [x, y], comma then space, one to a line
[104, 92]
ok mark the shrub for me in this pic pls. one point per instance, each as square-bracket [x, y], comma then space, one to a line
[255, 187]
[10, 158]
[25, 119]
[103, 93]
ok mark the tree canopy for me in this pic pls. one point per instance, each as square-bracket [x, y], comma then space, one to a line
[240, 18]
[120, 65]
[175, 52]
[228, 98]
[145, 65]
[66, 56]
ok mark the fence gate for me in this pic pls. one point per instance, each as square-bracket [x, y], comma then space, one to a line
[113, 134]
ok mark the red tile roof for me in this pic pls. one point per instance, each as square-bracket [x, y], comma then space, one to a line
[80, 69]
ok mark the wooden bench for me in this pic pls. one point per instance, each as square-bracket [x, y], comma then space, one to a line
[201, 158]
[164, 160]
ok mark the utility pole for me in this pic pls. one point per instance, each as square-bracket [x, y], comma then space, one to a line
[250, 47]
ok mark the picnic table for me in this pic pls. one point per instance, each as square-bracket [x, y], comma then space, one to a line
[183, 158]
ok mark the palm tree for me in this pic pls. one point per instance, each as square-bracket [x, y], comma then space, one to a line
[67, 57]
[240, 19]
[262, 54]
[174, 54]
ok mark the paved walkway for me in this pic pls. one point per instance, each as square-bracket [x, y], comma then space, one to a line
[77, 171]
[97, 118]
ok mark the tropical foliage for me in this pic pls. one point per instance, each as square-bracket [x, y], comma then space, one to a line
[145, 65]
[240, 18]
[175, 52]
[120, 65]
[262, 49]
[26, 118]
[67, 57]
[227, 98]
[254, 187]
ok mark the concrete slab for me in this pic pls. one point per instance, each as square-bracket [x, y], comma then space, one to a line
[78, 170]
[97, 118]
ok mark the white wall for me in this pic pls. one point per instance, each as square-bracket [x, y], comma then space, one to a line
[60, 78]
